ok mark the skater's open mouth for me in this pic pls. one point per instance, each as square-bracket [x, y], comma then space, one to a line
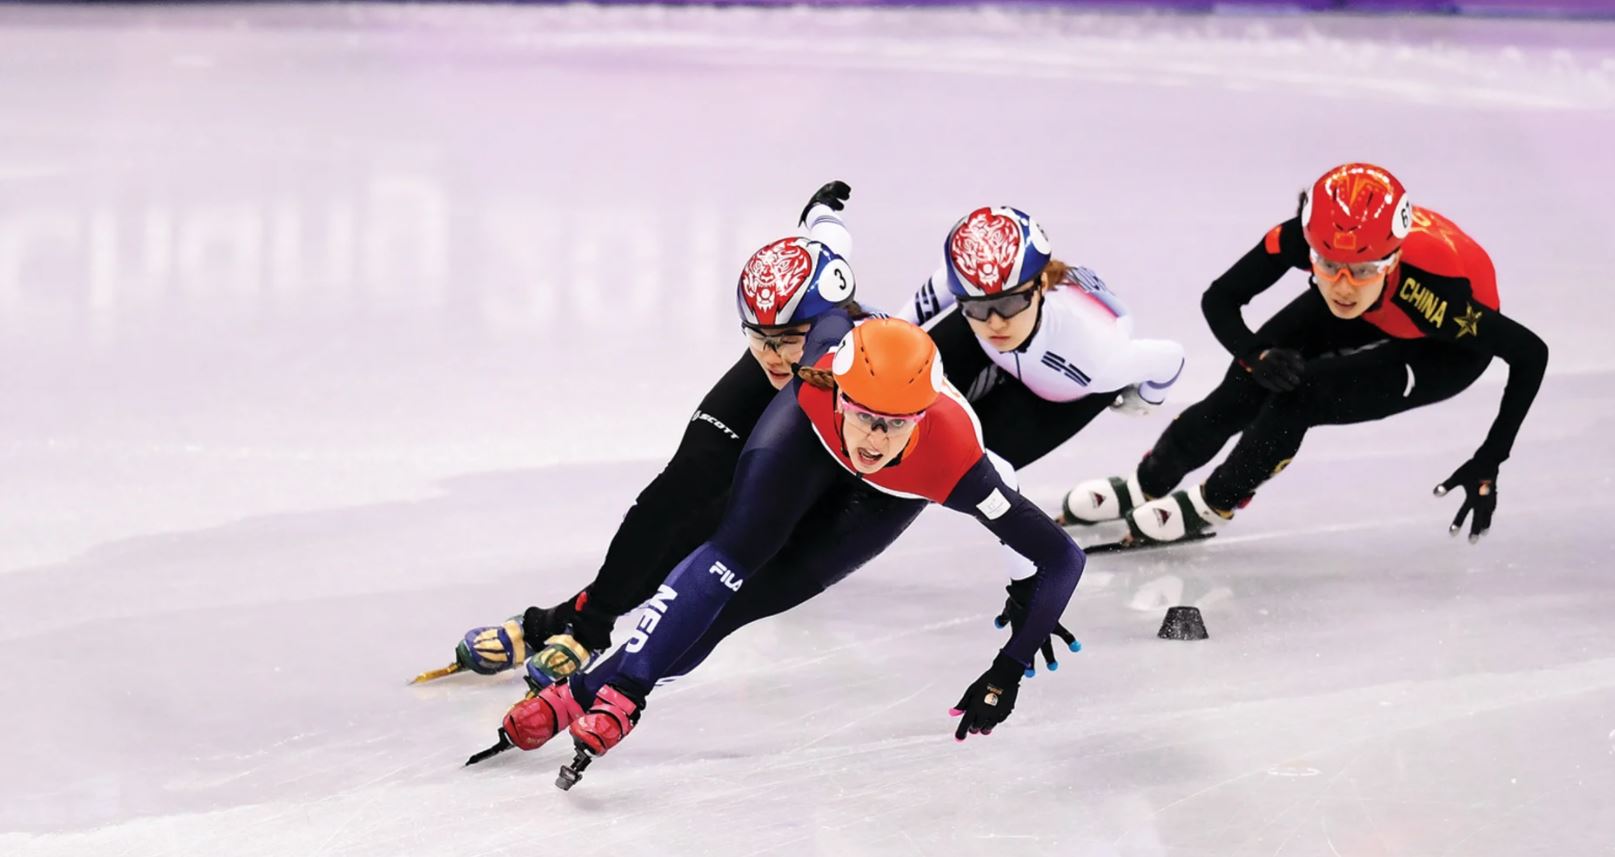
[867, 457]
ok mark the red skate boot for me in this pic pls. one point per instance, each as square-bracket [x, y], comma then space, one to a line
[540, 717]
[609, 720]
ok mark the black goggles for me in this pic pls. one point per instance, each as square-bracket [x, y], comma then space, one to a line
[764, 340]
[1006, 305]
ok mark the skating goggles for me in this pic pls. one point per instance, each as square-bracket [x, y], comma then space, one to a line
[870, 420]
[1356, 273]
[761, 341]
[1006, 305]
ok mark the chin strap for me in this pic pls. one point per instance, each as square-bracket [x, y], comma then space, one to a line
[1037, 324]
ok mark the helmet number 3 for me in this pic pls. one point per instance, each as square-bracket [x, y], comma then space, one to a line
[835, 284]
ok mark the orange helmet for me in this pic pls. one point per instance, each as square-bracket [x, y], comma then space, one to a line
[1356, 213]
[888, 366]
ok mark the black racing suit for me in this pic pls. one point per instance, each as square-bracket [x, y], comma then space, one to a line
[1432, 332]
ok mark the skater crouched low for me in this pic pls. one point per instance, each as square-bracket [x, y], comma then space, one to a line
[1404, 313]
[874, 409]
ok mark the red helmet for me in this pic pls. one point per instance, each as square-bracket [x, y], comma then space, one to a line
[1356, 213]
[888, 366]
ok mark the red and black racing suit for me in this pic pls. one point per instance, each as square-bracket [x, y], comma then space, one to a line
[1432, 332]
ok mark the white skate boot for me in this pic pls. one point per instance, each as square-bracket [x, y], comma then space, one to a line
[1182, 515]
[1098, 500]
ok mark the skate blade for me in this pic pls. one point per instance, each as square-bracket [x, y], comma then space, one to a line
[483, 755]
[1134, 544]
[1089, 536]
[434, 675]
[570, 774]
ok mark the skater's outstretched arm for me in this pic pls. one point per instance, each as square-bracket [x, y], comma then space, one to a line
[1148, 369]
[822, 219]
[1025, 529]
[1282, 250]
[1450, 302]
[1526, 354]
[1023, 584]
[1083, 345]
[1527, 358]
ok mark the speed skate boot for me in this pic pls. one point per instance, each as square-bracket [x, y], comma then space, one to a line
[561, 656]
[609, 720]
[541, 716]
[1179, 516]
[1098, 500]
[492, 648]
[495, 648]
[571, 646]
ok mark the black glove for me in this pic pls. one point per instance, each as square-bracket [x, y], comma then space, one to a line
[540, 623]
[1276, 369]
[834, 195]
[1478, 476]
[587, 625]
[592, 628]
[989, 699]
[1020, 593]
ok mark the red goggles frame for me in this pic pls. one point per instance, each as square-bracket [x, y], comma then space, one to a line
[1358, 274]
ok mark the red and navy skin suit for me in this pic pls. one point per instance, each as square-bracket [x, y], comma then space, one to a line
[1433, 331]
[793, 458]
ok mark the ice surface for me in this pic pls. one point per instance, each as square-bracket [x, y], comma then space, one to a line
[328, 332]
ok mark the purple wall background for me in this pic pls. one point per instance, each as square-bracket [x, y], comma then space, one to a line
[1540, 8]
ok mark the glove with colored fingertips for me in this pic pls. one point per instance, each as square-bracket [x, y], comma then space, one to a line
[832, 195]
[1014, 613]
[1478, 477]
[1278, 370]
[989, 699]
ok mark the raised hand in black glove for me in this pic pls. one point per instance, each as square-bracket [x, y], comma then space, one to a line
[1020, 594]
[989, 699]
[1478, 476]
[1277, 369]
[834, 195]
